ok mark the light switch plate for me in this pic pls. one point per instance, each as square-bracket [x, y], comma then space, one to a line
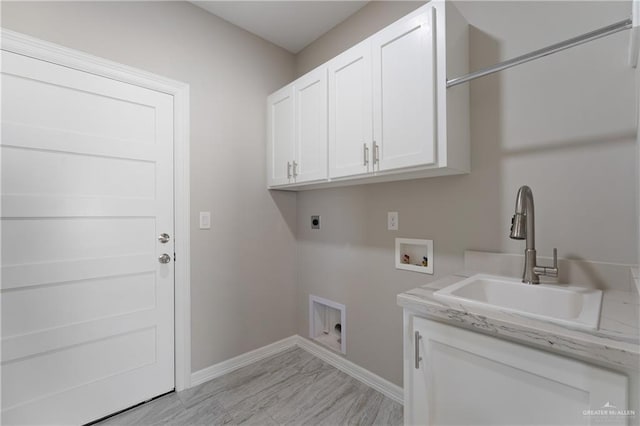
[205, 220]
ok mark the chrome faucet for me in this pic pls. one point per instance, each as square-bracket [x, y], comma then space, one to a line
[523, 227]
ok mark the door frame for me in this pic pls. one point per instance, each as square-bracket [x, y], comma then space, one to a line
[39, 49]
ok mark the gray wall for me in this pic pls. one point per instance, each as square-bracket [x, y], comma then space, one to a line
[366, 21]
[565, 125]
[243, 276]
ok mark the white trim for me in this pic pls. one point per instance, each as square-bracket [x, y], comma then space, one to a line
[42, 50]
[243, 360]
[365, 376]
[343, 318]
[370, 379]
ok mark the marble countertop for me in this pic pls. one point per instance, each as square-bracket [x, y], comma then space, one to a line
[615, 343]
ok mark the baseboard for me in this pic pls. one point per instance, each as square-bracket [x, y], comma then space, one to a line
[376, 382]
[370, 379]
[243, 360]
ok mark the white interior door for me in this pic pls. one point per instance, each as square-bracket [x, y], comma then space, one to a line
[87, 187]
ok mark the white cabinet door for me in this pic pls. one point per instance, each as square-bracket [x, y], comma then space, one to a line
[87, 309]
[350, 112]
[280, 136]
[311, 126]
[469, 378]
[404, 101]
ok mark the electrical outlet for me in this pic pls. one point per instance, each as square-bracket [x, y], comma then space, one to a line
[205, 220]
[392, 221]
[315, 222]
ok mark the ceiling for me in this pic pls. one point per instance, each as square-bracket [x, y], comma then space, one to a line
[292, 25]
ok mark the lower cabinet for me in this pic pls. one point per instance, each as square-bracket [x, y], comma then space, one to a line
[454, 376]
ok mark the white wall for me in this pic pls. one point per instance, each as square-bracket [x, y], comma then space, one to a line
[243, 279]
[565, 125]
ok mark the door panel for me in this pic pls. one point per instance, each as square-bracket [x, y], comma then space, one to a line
[38, 240]
[88, 106]
[404, 93]
[93, 299]
[87, 186]
[56, 173]
[350, 112]
[116, 354]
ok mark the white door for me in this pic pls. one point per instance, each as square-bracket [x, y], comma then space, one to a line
[465, 378]
[87, 187]
[311, 127]
[350, 112]
[280, 137]
[404, 102]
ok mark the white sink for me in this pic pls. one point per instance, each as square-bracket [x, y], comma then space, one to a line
[566, 305]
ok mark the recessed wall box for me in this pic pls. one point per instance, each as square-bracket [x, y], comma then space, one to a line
[414, 255]
[327, 323]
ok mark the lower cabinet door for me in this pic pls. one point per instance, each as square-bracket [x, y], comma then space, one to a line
[467, 378]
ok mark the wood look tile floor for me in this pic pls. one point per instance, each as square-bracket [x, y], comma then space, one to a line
[290, 388]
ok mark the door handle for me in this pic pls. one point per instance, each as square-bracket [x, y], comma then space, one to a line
[288, 170]
[164, 238]
[165, 258]
[416, 345]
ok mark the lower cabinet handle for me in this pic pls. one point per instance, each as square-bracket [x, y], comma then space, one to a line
[288, 170]
[416, 345]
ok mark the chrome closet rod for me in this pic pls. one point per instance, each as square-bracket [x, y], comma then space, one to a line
[575, 41]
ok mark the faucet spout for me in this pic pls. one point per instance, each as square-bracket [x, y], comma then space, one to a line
[523, 228]
[523, 222]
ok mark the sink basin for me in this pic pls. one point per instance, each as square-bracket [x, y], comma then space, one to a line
[566, 305]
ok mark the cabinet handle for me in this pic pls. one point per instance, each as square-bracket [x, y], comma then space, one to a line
[416, 344]
[366, 154]
[295, 169]
[376, 153]
[288, 170]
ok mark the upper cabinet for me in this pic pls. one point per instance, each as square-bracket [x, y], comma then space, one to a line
[297, 131]
[380, 111]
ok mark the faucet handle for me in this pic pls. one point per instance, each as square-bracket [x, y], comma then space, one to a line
[549, 271]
